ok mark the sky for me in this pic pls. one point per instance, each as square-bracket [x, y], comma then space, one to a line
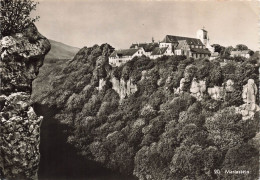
[82, 23]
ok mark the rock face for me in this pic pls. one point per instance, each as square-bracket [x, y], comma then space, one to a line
[21, 57]
[198, 88]
[249, 97]
[123, 88]
[217, 92]
[101, 84]
[249, 92]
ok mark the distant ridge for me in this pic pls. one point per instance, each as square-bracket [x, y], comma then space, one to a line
[61, 51]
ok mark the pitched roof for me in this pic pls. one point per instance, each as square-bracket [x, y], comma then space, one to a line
[239, 52]
[148, 47]
[124, 52]
[200, 50]
[159, 51]
[175, 39]
[180, 44]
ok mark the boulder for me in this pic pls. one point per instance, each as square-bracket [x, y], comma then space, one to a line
[22, 55]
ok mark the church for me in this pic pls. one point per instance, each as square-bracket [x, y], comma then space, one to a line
[191, 47]
[171, 45]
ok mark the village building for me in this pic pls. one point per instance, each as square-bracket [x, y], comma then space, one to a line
[214, 55]
[244, 53]
[122, 56]
[171, 45]
[159, 52]
[148, 47]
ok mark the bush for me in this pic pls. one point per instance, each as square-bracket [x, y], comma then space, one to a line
[16, 15]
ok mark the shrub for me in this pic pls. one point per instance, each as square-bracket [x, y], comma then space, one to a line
[16, 15]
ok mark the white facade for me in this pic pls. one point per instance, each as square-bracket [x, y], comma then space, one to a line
[117, 61]
[162, 45]
[240, 53]
[203, 36]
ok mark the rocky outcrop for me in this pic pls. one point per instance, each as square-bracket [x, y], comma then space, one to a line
[186, 81]
[123, 88]
[198, 88]
[250, 107]
[21, 57]
[217, 92]
[249, 92]
[101, 84]
[229, 86]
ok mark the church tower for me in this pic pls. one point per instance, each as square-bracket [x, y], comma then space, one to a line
[202, 34]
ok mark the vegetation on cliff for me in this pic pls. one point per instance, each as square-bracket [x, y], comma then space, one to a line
[15, 16]
[156, 133]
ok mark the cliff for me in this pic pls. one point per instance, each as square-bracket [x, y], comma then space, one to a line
[169, 118]
[22, 55]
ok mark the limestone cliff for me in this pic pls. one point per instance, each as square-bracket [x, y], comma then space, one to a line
[249, 108]
[22, 55]
[123, 88]
[198, 88]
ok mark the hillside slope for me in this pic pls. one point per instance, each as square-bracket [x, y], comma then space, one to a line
[169, 118]
[61, 51]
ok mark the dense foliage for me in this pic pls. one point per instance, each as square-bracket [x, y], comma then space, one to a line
[154, 133]
[15, 15]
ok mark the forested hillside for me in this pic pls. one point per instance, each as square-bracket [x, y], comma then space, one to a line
[162, 130]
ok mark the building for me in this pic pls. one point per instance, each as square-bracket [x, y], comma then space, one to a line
[159, 52]
[191, 47]
[214, 55]
[171, 45]
[244, 53]
[122, 56]
[202, 35]
[148, 47]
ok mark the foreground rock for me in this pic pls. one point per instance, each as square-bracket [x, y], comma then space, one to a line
[21, 57]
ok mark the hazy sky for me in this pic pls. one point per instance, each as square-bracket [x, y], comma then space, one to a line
[121, 23]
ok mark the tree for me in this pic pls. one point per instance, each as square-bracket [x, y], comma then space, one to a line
[16, 15]
[251, 53]
[218, 48]
[227, 51]
[241, 47]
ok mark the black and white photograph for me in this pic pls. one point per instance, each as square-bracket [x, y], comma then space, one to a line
[129, 89]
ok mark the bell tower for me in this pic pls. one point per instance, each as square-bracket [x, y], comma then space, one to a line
[202, 34]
